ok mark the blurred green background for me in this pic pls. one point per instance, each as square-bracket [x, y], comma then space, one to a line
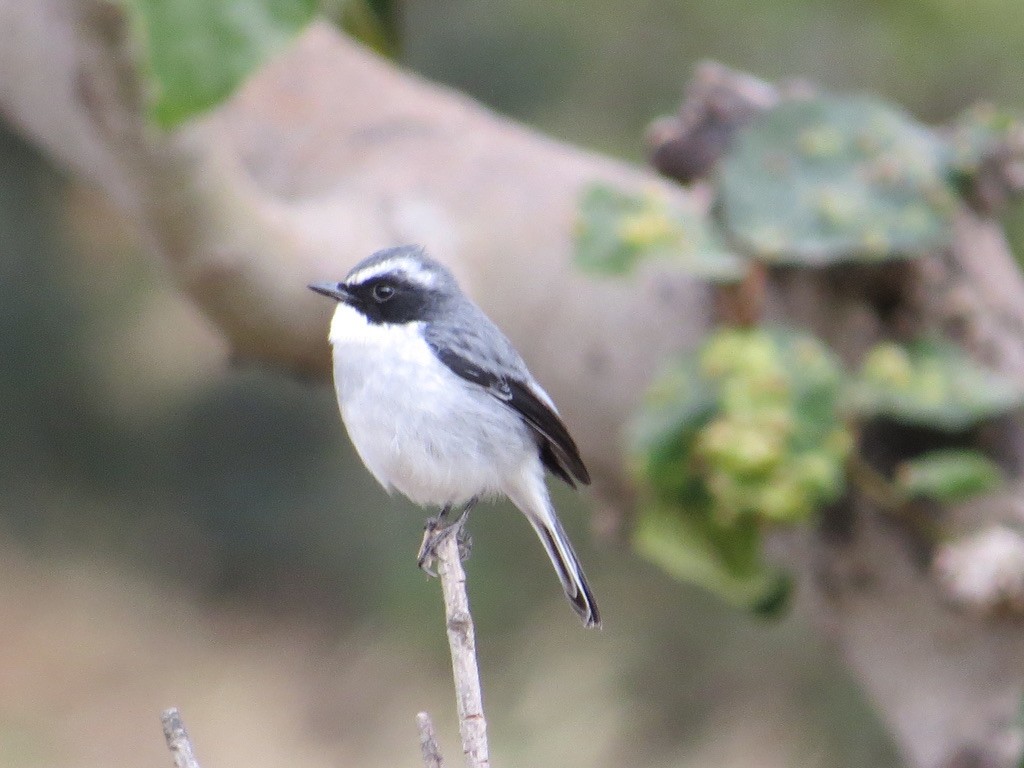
[175, 529]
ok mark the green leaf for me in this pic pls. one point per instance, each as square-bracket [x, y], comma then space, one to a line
[616, 230]
[198, 51]
[948, 476]
[726, 561]
[932, 384]
[678, 402]
[822, 180]
[676, 407]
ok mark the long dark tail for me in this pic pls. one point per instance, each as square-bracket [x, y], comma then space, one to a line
[567, 565]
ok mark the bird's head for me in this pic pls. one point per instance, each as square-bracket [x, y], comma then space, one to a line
[395, 286]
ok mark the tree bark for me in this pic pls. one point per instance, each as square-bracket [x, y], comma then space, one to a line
[330, 152]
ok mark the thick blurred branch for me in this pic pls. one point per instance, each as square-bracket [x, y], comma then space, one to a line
[331, 152]
[328, 154]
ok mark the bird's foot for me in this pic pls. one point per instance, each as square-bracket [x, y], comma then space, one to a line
[435, 530]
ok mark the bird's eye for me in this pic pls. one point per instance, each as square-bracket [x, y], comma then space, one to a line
[383, 292]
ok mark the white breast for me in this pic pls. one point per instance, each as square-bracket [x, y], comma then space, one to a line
[417, 426]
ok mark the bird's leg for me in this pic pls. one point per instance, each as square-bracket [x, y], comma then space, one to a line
[465, 541]
[436, 528]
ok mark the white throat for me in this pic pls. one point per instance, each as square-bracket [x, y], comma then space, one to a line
[350, 327]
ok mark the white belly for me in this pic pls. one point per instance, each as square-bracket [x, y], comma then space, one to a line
[417, 426]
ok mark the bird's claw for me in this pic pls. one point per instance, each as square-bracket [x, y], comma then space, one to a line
[434, 532]
[427, 555]
[465, 542]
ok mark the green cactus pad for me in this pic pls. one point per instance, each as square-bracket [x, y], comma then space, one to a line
[827, 180]
[930, 384]
[616, 230]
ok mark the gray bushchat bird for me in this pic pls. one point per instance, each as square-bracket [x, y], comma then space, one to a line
[440, 406]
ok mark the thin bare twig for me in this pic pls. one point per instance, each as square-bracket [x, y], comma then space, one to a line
[428, 742]
[177, 739]
[462, 644]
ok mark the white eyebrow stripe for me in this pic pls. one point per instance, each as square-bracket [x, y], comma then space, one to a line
[409, 268]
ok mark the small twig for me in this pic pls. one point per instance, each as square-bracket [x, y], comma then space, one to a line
[177, 739]
[462, 644]
[890, 500]
[428, 742]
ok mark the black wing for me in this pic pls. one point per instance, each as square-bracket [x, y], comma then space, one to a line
[558, 450]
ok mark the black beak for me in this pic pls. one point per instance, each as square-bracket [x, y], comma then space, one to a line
[336, 291]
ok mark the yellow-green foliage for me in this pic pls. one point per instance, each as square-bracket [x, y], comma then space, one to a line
[772, 451]
[741, 435]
